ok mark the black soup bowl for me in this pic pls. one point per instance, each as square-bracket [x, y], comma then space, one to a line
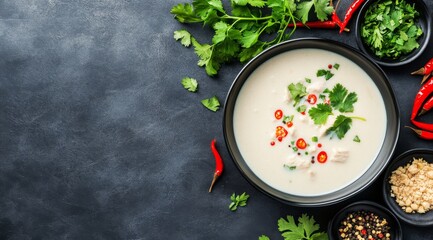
[378, 163]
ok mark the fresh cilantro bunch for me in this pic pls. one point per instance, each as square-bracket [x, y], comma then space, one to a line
[242, 32]
[305, 229]
[390, 28]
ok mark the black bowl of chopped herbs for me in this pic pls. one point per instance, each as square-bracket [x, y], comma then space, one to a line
[364, 220]
[393, 32]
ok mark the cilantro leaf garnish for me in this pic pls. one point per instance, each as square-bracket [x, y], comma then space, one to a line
[212, 103]
[238, 201]
[324, 73]
[341, 99]
[356, 139]
[306, 228]
[297, 92]
[190, 84]
[319, 114]
[340, 127]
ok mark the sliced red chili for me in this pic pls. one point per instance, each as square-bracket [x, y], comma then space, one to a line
[312, 98]
[322, 157]
[278, 114]
[289, 124]
[301, 143]
[280, 132]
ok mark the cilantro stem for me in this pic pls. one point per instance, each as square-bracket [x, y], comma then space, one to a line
[358, 118]
[246, 18]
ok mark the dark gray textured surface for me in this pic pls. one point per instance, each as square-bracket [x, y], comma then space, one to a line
[98, 139]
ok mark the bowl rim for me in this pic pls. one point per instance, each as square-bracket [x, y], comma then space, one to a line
[384, 155]
[425, 22]
[373, 206]
[416, 219]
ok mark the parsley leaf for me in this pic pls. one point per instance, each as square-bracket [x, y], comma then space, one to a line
[340, 127]
[297, 92]
[238, 201]
[320, 113]
[306, 228]
[190, 84]
[211, 103]
[341, 99]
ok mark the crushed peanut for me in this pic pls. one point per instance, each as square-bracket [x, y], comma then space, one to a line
[412, 186]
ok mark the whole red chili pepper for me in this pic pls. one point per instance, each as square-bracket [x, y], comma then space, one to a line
[317, 24]
[422, 133]
[426, 106]
[420, 97]
[426, 70]
[349, 13]
[219, 165]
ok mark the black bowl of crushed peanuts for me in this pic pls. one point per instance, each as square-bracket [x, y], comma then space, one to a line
[364, 220]
[408, 187]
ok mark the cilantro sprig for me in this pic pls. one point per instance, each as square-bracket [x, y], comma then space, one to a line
[390, 28]
[239, 33]
[341, 99]
[305, 229]
[238, 201]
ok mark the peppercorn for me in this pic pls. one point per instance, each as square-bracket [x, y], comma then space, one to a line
[364, 225]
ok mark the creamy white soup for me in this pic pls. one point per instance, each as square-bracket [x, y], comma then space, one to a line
[309, 122]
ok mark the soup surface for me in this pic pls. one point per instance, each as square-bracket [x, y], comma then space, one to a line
[309, 122]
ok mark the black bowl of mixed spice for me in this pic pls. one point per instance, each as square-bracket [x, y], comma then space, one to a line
[393, 32]
[364, 220]
[408, 187]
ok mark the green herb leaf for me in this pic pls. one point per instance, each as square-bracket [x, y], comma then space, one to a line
[340, 127]
[326, 73]
[211, 103]
[238, 201]
[297, 92]
[264, 237]
[301, 108]
[356, 139]
[184, 13]
[287, 119]
[190, 84]
[290, 167]
[319, 114]
[305, 229]
[315, 139]
[184, 37]
[341, 99]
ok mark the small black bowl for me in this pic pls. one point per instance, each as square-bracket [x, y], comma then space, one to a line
[395, 227]
[417, 219]
[424, 21]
